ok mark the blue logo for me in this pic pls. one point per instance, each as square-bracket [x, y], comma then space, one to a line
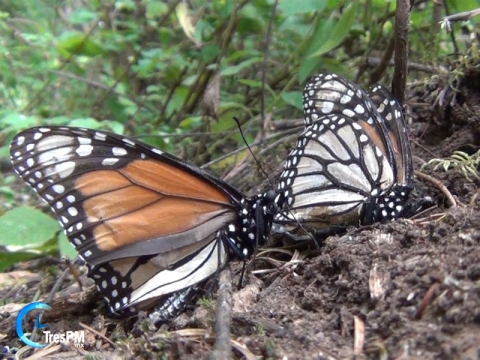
[21, 315]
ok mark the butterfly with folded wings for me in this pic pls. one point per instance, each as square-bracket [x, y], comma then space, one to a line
[352, 164]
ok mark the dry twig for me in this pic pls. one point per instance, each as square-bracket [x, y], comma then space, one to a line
[439, 185]
[427, 299]
[222, 347]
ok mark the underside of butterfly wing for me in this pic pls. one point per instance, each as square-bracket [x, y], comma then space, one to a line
[332, 177]
[332, 173]
[391, 110]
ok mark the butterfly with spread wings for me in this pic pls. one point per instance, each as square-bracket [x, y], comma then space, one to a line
[352, 164]
[148, 225]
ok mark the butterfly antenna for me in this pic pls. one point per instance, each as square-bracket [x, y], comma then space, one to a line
[308, 233]
[251, 152]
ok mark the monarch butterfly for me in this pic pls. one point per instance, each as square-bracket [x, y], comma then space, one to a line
[148, 225]
[352, 164]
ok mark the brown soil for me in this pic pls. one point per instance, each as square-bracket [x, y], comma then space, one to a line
[413, 285]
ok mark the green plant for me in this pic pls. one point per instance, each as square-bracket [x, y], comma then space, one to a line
[467, 164]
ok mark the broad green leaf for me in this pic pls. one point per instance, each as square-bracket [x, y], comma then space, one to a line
[288, 8]
[16, 121]
[312, 65]
[26, 228]
[66, 248]
[339, 31]
[308, 66]
[294, 98]
[320, 35]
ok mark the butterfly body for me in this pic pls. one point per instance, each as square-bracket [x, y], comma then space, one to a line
[146, 223]
[352, 164]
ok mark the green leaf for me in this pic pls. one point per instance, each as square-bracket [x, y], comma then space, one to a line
[26, 228]
[7, 192]
[294, 98]
[294, 23]
[88, 123]
[114, 126]
[235, 69]
[190, 122]
[320, 35]
[339, 31]
[8, 259]
[288, 8]
[78, 44]
[16, 121]
[5, 151]
[251, 83]
[155, 9]
[66, 248]
[82, 16]
[209, 52]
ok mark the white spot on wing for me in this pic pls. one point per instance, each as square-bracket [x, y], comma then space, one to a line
[65, 169]
[345, 99]
[327, 107]
[363, 138]
[58, 188]
[100, 136]
[109, 161]
[359, 109]
[84, 150]
[128, 141]
[84, 141]
[118, 151]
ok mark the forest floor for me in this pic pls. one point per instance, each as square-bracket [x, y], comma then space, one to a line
[408, 289]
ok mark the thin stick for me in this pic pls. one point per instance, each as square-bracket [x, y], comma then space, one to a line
[268, 38]
[402, 19]
[93, 331]
[222, 348]
[427, 299]
[439, 185]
